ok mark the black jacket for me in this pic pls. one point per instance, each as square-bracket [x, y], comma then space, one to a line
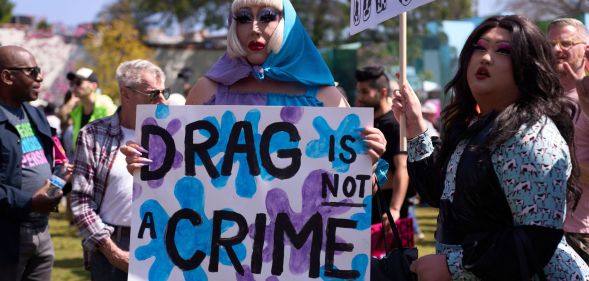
[15, 204]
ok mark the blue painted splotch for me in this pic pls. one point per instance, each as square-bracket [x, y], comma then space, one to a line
[162, 111]
[245, 183]
[359, 263]
[189, 193]
[364, 219]
[320, 147]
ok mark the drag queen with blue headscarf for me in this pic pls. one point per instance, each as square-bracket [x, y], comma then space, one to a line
[270, 60]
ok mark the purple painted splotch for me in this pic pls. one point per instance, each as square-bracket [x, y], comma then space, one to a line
[249, 276]
[291, 114]
[137, 190]
[157, 149]
[277, 201]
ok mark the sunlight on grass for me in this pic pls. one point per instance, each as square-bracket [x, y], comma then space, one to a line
[426, 217]
[69, 263]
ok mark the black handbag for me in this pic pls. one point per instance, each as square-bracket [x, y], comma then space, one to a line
[394, 266]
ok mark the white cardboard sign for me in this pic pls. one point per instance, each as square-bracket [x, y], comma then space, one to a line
[369, 13]
[251, 193]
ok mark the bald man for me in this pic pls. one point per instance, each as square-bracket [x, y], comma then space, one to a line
[26, 163]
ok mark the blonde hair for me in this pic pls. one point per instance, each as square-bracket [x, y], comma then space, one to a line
[234, 48]
[577, 24]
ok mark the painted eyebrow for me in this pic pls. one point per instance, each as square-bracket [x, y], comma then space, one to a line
[496, 42]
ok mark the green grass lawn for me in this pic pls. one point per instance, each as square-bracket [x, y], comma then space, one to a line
[69, 263]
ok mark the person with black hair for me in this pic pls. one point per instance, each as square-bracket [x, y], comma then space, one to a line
[501, 177]
[372, 90]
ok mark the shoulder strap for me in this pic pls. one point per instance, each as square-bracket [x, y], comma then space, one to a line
[381, 202]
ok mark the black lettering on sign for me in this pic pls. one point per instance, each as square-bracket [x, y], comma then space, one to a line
[233, 146]
[294, 153]
[190, 148]
[349, 185]
[284, 226]
[363, 179]
[147, 222]
[326, 184]
[258, 246]
[344, 144]
[331, 246]
[216, 241]
[146, 132]
[170, 236]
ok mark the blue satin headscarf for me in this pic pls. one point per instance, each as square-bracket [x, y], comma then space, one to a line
[297, 61]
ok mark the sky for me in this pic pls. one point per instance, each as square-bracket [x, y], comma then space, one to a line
[73, 12]
[69, 12]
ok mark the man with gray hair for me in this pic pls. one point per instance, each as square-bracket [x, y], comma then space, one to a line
[102, 187]
[570, 39]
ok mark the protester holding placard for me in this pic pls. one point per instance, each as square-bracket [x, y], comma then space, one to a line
[501, 176]
[102, 188]
[270, 60]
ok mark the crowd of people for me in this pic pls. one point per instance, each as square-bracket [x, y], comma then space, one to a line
[505, 161]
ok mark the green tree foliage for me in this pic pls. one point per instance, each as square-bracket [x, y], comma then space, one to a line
[113, 43]
[43, 25]
[211, 13]
[6, 7]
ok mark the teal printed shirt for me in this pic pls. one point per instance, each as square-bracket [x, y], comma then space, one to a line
[533, 168]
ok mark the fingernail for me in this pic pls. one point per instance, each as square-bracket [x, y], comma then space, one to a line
[143, 149]
[145, 160]
[134, 151]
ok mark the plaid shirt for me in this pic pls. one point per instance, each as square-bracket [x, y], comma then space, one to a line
[93, 161]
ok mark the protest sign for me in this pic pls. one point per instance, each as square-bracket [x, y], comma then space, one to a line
[251, 193]
[369, 13]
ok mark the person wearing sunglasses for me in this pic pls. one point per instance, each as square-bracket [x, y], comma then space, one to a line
[569, 40]
[92, 105]
[102, 188]
[26, 163]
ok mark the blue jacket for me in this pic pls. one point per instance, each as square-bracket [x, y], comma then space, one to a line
[15, 204]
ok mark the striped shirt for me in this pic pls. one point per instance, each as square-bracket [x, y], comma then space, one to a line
[93, 161]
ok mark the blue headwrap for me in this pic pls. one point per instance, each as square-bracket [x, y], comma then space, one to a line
[297, 61]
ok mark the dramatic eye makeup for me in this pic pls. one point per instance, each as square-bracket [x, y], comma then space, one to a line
[265, 15]
[243, 16]
[268, 15]
[504, 48]
[481, 45]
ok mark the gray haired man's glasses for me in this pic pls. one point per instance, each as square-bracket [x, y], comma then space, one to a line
[154, 93]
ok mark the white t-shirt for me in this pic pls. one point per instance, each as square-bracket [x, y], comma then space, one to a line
[116, 205]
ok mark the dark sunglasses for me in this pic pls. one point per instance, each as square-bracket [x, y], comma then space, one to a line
[265, 15]
[32, 72]
[154, 93]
